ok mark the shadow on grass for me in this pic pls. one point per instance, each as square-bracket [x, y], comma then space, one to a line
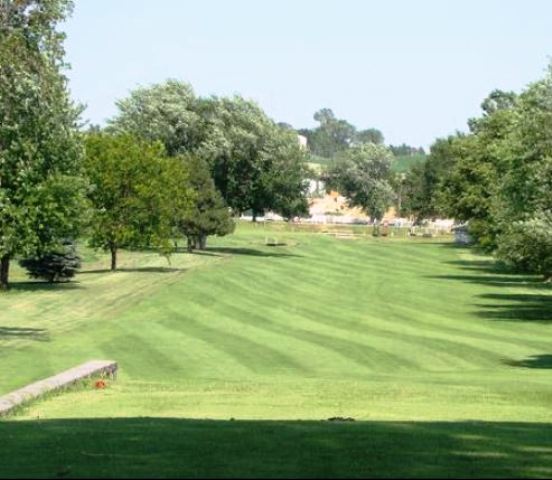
[526, 307]
[135, 270]
[38, 334]
[495, 280]
[35, 286]
[162, 448]
[535, 361]
[251, 252]
[517, 307]
[492, 273]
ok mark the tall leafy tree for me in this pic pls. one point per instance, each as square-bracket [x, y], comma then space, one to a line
[422, 184]
[527, 244]
[284, 179]
[332, 136]
[232, 135]
[136, 193]
[362, 174]
[40, 147]
[164, 112]
[209, 214]
[468, 191]
[524, 196]
[370, 135]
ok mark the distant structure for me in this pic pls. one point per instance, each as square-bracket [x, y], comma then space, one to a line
[462, 235]
[303, 142]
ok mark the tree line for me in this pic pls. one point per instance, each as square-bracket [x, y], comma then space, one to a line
[172, 164]
[497, 178]
[169, 164]
[333, 136]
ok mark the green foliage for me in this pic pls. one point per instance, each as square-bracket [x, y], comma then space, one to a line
[527, 245]
[526, 185]
[498, 178]
[209, 215]
[363, 174]
[469, 189]
[164, 112]
[285, 174]
[405, 150]
[404, 163]
[331, 137]
[423, 182]
[370, 135]
[243, 148]
[136, 193]
[54, 266]
[41, 197]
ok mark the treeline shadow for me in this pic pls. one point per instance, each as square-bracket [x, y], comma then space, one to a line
[522, 307]
[179, 448]
[535, 361]
[38, 286]
[516, 307]
[134, 270]
[490, 273]
[250, 252]
[38, 334]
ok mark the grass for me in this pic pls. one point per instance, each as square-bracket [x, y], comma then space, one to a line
[442, 359]
[403, 163]
[400, 164]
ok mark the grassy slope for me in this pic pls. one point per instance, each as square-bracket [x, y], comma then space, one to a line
[406, 162]
[400, 164]
[380, 329]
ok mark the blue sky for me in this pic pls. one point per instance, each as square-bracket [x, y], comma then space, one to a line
[416, 70]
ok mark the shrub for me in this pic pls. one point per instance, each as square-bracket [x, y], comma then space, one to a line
[527, 245]
[56, 266]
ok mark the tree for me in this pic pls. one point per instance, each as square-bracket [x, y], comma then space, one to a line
[136, 195]
[232, 135]
[524, 196]
[54, 266]
[164, 112]
[406, 150]
[285, 178]
[209, 215]
[371, 135]
[527, 245]
[332, 136]
[237, 131]
[422, 184]
[40, 147]
[362, 174]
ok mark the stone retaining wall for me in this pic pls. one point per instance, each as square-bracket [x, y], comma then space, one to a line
[34, 390]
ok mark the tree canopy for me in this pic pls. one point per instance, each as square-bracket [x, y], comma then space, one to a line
[136, 193]
[363, 175]
[40, 146]
[240, 144]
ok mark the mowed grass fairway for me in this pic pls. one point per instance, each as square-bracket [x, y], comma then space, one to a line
[231, 361]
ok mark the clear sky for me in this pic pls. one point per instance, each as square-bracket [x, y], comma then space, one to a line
[415, 69]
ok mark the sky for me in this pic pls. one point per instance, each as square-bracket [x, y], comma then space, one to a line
[415, 69]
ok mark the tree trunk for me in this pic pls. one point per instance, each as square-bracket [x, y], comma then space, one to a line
[254, 216]
[190, 246]
[202, 242]
[113, 258]
[4, 272]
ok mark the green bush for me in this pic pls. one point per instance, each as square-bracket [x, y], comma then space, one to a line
[56, 266]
